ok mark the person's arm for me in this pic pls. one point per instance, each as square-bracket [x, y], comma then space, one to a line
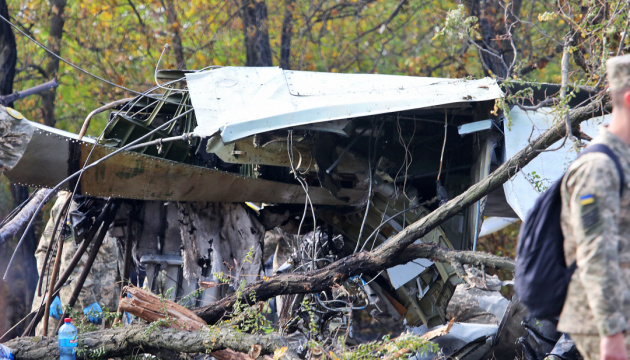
[594, 201]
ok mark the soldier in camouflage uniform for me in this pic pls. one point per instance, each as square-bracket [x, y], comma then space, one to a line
[102, 286]
[596, 224]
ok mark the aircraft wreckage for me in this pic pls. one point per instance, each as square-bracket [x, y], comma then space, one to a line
[310, 152]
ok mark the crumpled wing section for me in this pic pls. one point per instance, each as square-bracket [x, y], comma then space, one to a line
[244, 101]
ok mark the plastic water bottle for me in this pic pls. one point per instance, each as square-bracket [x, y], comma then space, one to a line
[6, 353]
[67, 340]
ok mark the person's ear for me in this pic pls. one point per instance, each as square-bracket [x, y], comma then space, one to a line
[626, 99]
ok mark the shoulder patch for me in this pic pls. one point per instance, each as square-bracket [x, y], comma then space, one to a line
[589, 213]
[587, 199]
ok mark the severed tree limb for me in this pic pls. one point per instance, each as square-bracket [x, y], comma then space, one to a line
[341, 270]
[20, 218]
[162, 342]
[150, 307]
[398, 249]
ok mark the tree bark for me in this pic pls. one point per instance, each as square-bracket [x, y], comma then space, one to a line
[287, 34]
[20, 289]
[171, 17]
[398, 249]
[255, 28]
[162, 342]
[339, 271]
[495, 49]
[8, 53]
[18, 222]
[57, 21]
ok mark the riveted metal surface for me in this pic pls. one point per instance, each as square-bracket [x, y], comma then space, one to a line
[243, 101]
[137, 176]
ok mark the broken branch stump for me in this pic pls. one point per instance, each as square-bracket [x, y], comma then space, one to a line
[150, 307]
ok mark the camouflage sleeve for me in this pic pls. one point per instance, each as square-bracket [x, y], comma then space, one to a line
[86, 296]
[593, 188]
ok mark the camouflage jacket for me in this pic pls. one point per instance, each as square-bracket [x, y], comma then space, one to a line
[596, 225]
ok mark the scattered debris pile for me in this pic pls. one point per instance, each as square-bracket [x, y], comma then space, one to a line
[332, 167]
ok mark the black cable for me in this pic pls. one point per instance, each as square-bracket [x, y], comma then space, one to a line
[79, 68]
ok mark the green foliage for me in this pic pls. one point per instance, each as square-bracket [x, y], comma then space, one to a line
[83, 351]
[458, 25]
[406, 343]
[536, 181]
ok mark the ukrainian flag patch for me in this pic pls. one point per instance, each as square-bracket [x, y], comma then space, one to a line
[591, 221]
[587, 199]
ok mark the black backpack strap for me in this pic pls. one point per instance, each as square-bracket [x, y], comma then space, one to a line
[606, 150]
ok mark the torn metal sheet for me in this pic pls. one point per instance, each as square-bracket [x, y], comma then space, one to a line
[493, 224]
[52, 155]
[423, 287]
[243, 101]
[522, 190]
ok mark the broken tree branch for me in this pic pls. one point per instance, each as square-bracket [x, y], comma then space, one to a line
[162, 342]
[61, 215]
[150, 307]
[398, 249]
[20, 218]
[339, 271]
[503, 173]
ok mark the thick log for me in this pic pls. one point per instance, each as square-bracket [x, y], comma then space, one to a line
[162, 342]
[398, 250]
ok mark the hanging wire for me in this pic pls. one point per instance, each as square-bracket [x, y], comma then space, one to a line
[80, 172]
[443, 144]
[76, 66]
[307, 202]
[155, 73]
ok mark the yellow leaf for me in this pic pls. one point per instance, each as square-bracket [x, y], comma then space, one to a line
[279, 352]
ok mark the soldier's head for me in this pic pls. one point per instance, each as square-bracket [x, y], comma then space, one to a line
[618, 73]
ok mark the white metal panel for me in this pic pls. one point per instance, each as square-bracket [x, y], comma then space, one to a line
[493, 224]
[523, 188]
[399, 275]
[243, 101]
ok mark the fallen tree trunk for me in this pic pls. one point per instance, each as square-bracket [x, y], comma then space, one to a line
[398, 249]
[339, 271]
[165, 343]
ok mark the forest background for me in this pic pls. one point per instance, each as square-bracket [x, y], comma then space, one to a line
[124, 42]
